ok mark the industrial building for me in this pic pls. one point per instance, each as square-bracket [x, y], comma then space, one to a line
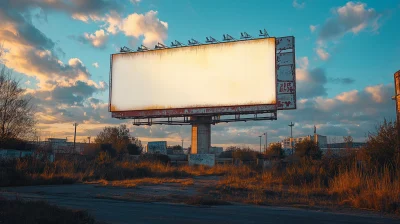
[289, 143]
[321, 140]
[61, 145]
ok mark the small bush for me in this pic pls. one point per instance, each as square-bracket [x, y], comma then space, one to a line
[156, 158]
[308, 148]
[382, 146]
[276, 150]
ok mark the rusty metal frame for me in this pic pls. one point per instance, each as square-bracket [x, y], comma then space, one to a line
[187, 120]
[205, 111]
[284, 51]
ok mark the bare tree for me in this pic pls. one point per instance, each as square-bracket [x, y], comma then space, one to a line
[16, 111]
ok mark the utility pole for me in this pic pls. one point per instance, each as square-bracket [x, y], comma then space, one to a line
[396, 97]
[260, 142]
[266, 141]
[182, 143]
[291, 135]
[75, 125]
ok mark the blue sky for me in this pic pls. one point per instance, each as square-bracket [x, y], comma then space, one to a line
[346, 55]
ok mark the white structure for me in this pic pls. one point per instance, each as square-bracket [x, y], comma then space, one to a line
[6, 154]
[157, 147]
[61, 145]
[288, 143]
[216, 150]
[202, 159]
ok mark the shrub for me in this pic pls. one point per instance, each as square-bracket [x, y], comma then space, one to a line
[241, 153]
[276, 150]
[308, 148]
[154, 157]
[382, 146]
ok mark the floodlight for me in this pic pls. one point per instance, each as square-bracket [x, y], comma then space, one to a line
[228, 37]
[160, 46]
[245, 35]
[125, 49]
[193, 42]
[142, 48]
[264, 33]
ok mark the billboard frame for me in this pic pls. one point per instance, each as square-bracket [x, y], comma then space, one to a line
[286, 50]
[212, 111]
[188, 120]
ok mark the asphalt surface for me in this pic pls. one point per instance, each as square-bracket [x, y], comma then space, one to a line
[116, 211]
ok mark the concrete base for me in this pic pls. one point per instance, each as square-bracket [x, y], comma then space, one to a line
[201, 135]
[202, 159]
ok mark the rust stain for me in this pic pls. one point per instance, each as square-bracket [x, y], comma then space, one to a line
[161, 107]
[168, 51]
[113, 108]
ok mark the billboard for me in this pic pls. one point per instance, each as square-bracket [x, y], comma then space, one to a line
[236, 77]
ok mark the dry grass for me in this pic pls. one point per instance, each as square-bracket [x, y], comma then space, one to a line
[372, 190]
[315, 185]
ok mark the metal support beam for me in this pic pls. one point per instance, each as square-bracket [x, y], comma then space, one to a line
[215, 119]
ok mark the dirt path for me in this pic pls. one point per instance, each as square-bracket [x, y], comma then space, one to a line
[125, 205]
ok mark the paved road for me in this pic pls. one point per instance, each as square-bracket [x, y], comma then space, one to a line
[114, 211]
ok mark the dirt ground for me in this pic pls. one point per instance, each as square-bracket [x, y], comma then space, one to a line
[177, 203]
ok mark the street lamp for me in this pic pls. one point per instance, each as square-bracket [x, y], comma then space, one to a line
[75, 125]
[291, 135]
[260, 142]
[266, 141]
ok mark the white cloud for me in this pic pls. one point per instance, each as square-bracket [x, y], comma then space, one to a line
[135, 26]
[348, 97]
[350, 18]
[313, 28]
[303, 62]
[377, 93]
[135, 2]
[98, 39]
[96, 64]
[84, 17]
[322, 53]
[298, 5]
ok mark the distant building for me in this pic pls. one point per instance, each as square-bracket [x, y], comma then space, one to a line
[61, 145]
[216, 150]
[343, 145]
[6, 154]
[12, 153]
[321, 140]
[159, 147]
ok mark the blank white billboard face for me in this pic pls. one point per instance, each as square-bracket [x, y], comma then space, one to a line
[225, 74]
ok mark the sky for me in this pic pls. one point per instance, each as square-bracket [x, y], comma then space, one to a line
[346, 55]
